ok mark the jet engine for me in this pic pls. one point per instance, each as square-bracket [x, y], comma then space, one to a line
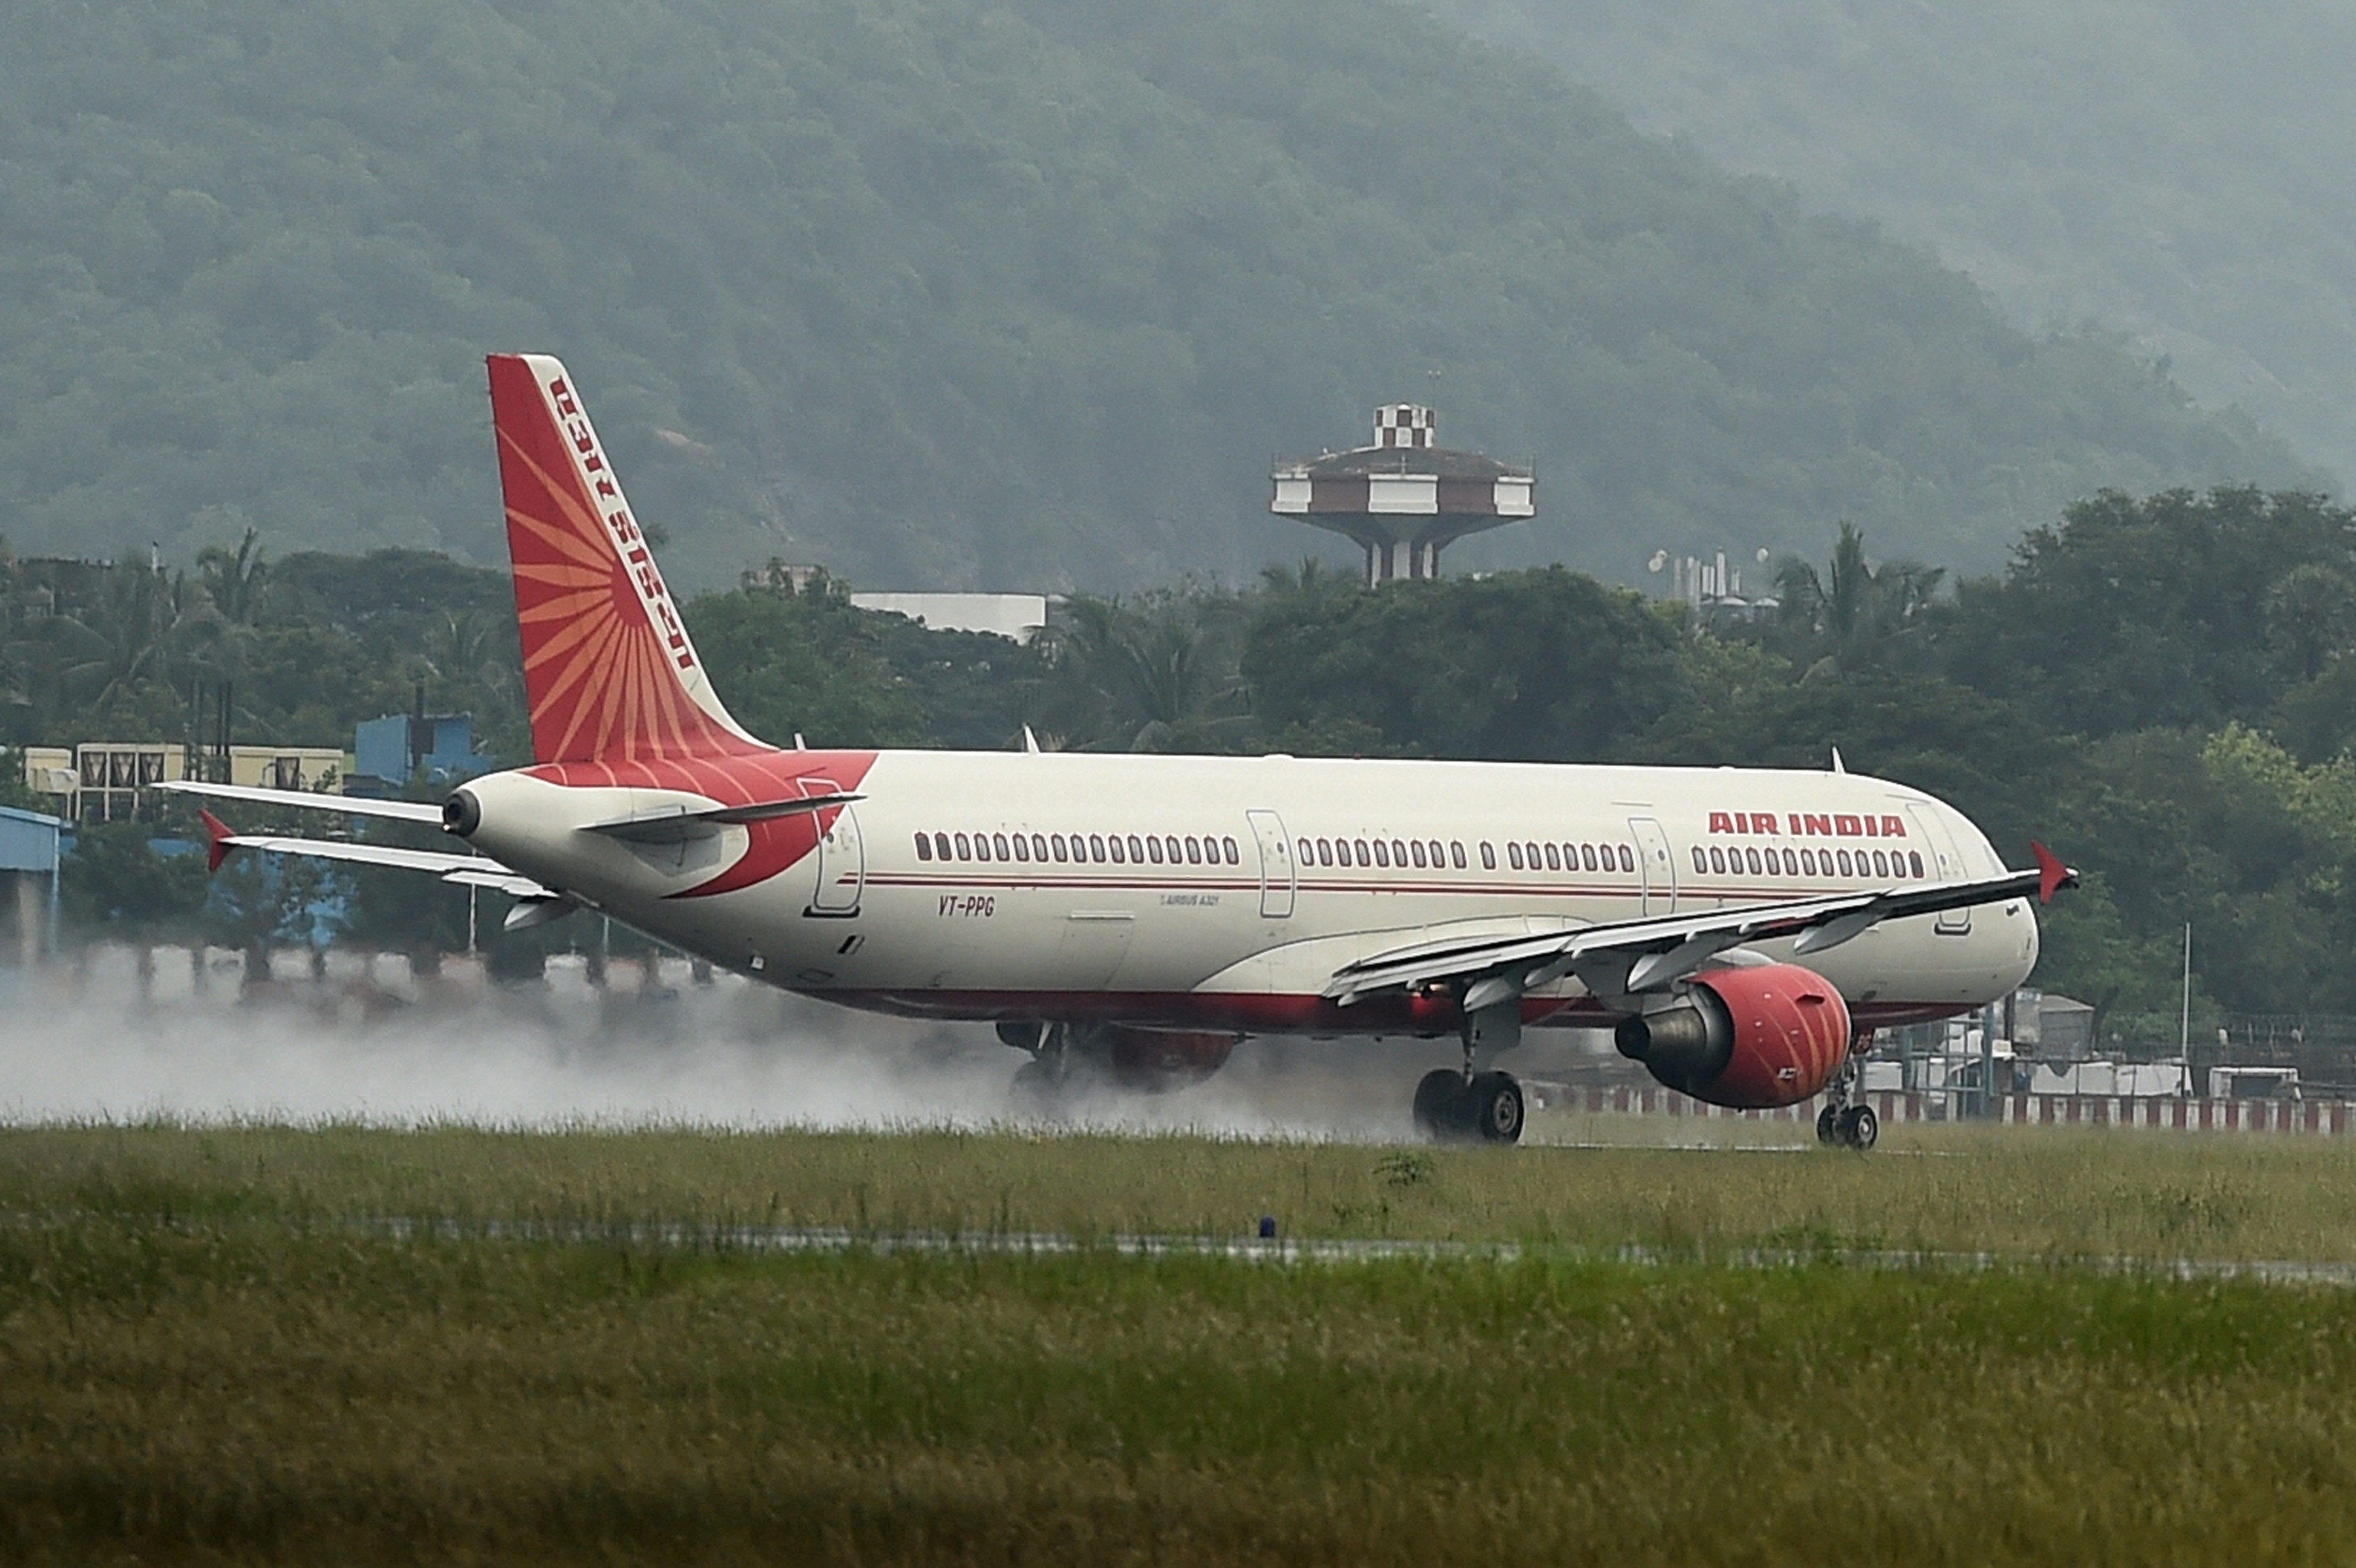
[1751, 1037]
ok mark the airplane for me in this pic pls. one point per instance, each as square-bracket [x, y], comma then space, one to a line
[1742, 931]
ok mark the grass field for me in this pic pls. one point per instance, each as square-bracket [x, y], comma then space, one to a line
[211, 1350]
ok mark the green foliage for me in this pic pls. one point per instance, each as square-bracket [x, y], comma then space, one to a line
[974, 292]
[1535, 666]
[2170, 609]
[116, 884]
[807, 663]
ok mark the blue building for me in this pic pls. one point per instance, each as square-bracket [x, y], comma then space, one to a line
[28, 860]
[388, 753]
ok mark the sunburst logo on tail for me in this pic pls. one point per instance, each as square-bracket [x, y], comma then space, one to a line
[609, 670]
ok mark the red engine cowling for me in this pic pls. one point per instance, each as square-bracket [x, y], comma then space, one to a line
[1752, 1037]
[1158, 1060]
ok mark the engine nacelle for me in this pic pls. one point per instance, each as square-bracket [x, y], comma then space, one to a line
[1751, 1037]
[1158, 1060]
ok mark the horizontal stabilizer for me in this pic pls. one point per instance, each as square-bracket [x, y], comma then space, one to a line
[670, 822]
[306, 800]
[466, 870]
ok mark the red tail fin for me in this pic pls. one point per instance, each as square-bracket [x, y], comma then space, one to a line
[608, 668]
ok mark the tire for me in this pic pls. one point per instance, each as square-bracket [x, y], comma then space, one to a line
[1495, 1108]
[1861, 1128]
[1437, 1100]
[1828, 1129]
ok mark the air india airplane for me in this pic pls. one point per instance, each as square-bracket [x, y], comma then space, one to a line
[1742, 931]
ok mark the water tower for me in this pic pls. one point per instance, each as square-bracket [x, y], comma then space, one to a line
[1404, 499]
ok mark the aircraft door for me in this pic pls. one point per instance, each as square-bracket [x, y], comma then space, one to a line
[1945, 860]
[1276, 871]
[1658, 863]
[841, 856]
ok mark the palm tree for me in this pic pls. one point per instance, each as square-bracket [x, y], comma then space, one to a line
[235, 579]
[1857, 613]
[1157, 674]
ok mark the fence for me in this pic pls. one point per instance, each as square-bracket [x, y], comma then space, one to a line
[1893, 1107]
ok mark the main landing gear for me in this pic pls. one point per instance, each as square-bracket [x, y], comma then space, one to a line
[1847, 1120]
[1450, 1106]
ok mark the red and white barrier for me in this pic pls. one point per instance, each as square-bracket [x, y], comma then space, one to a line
[1894, 1107]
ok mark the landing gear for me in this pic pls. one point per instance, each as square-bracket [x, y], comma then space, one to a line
[1451, 1108]
[1039, 1084]
[1860, 1128]
[1435, 1101]
[1847, 1120]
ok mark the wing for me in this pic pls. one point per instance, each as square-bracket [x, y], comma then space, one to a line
[467, 870]
[1647, 954]
[304, 800]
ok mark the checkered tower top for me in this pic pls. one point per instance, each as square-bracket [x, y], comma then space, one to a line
[1404, 424]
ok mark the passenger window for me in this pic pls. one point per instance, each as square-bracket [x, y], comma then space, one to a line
[1365, 856]
[1514, 853]
[1488, 856]
[1553, 859]
[1915, 859]
[1752, 856]
[1398, 853]
[1791, 864]
[1701, 859]
[982, 846]
[1056, 842]
[965, 851]
[1022, 848]
[1233, 858]
[1153, 848]
[1194, 850]
[1456, 853]
[923, 847]
[1880, 863]
[1807, 862]
[1170, 847]
[1587, 854]
[1530, 853]
[1136, 851]
[1325, 851]
[1120, 856]
[1382, 853]
[999, 842]
[1717, 860]
[1843, 858]
[1096, 847]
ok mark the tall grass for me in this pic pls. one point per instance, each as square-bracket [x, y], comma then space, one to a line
[2020, 1192]
[240, 1392]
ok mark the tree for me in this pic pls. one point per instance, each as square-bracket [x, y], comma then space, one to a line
[1157, 673]
[1526, 665]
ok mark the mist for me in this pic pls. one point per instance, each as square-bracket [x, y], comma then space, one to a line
[369, 1043]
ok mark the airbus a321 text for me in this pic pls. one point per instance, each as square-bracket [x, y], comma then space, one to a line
[1742, 931]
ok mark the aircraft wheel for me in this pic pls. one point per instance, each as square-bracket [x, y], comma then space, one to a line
[1860, 1128]
[1437, 1100]
[1496, 1107]
[1828, 1128]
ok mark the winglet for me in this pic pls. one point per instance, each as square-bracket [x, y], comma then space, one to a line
[2052, 876]
[217, 835]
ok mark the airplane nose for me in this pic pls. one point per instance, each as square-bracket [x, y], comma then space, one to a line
[462, 813]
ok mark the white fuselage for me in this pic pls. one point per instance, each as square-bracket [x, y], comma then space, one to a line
[1245, 925]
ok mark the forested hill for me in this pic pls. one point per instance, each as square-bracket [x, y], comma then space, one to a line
[962, 293]
[2174, 168]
